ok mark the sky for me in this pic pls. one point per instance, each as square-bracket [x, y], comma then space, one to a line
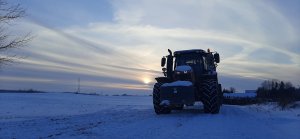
[115, 46]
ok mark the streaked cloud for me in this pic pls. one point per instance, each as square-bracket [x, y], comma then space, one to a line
[255, 39]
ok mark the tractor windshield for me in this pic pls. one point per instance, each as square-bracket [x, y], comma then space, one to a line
[195, 61]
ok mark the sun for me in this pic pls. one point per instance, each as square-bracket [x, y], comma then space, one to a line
[146, 80]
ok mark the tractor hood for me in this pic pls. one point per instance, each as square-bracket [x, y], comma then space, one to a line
[183, 68]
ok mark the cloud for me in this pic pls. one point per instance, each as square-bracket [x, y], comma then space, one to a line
[255, 40]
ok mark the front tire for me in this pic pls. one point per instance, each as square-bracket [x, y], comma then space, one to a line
[211, 96]
[156, 101]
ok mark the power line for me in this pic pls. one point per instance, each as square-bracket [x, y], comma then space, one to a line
[78, 85]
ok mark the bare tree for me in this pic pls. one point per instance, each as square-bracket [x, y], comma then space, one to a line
[9, 13]
[232, 89]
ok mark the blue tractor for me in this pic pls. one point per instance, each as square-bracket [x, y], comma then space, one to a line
[189, 76]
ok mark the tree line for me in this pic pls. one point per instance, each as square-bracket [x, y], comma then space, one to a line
[284, 93]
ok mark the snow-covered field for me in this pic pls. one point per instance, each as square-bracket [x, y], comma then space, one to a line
[62, 115]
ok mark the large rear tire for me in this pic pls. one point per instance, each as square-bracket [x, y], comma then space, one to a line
[221, 98]
[211, 96]
[156, 101]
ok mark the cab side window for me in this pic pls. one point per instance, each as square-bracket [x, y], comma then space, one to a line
[205, 64]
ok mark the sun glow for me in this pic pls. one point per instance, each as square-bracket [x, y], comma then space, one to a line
[146, 80]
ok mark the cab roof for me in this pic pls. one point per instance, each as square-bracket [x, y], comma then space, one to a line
[189, 51]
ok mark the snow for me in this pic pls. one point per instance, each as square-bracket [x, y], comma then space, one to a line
[178, 83]
[183, 68]
[66, 115]
[165, 102]
[240, 95]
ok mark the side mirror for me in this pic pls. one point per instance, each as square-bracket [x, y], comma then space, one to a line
[217, 57]
[163, 62]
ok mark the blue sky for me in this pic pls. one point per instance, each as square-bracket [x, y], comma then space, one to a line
[115, 46]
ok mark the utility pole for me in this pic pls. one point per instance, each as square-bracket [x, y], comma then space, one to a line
[78, 85]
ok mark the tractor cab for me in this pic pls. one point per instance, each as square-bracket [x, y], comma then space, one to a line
[200, 62]
[193, 59]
